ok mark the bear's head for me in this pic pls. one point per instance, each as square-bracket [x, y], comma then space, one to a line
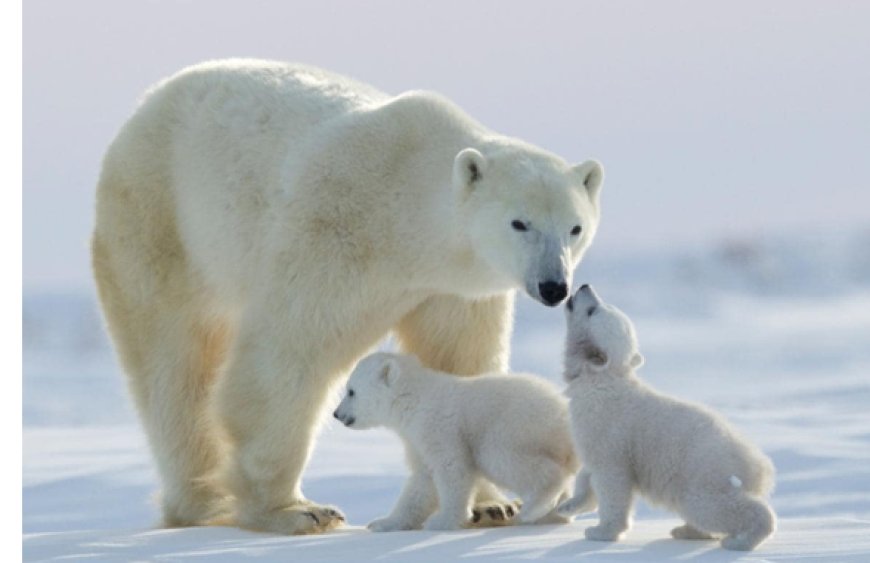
[371, 389]
[601, 338]
[529, 215]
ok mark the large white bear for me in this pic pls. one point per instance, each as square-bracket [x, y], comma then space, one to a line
[261, 226]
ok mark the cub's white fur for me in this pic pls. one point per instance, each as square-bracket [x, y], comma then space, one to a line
[509, 428]
[260, 226]
[633, 439]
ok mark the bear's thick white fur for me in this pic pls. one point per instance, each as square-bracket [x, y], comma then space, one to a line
[631, 438]
[260, 226]
[512, 429]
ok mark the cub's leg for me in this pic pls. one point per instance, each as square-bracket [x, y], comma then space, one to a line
[542, 490]
[454, 482]
[614, 490]
[416, 503]
[584, 496]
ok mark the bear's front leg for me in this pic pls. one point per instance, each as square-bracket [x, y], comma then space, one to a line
[463, 337]
[269, 401]
[454, 482]
[614, 488]
[416, 503]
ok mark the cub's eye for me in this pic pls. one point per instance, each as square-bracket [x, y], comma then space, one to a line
[350, 392]
[519, 225]
[591, 311]
[576, 230]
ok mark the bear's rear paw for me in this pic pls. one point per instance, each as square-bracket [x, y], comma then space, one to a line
[297, 519]
[603, 532]
[490, 514]
[687, 532]
[388, 524]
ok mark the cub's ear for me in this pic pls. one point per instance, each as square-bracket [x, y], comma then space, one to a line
[636, 361]
[469, 166]
[389, 372]
[591, 174]
[595, 356]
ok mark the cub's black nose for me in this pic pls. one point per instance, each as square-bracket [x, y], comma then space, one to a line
[553, 292]
[335, 414]
[584, 287]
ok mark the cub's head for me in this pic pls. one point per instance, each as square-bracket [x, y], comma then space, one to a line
[600, 337]
[371, 389]
[530, 216]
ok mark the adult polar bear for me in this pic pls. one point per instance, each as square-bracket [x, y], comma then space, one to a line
[260, 226]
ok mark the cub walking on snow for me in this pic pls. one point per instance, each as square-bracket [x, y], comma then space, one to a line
[512, 429]
[632, 438]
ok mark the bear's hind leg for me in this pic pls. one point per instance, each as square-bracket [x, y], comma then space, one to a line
[746, 521]
[171, 352]
[545, 487]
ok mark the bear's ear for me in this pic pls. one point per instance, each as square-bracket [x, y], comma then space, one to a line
[591, 174]
[636, 361]
[468, 168]
[595, 356]
[389, 372]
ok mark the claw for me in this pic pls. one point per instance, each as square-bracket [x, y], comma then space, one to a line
[314, 517]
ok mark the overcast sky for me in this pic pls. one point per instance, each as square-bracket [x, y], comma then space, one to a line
[718, 122]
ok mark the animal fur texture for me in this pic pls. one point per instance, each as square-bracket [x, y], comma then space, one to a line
[260, 226]
[633, 439]
[512, 429]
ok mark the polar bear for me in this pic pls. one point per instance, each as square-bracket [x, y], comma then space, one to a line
[512, 429]
[261, 226]
[679, 455]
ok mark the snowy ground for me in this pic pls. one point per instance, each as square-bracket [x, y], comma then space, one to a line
[775, 335]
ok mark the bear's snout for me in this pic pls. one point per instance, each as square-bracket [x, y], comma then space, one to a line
[347, 421]
[553, 292]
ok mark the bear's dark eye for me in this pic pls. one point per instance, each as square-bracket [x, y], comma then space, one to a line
[519, 225]
[576, 230]
[591, 311]
[350, 392]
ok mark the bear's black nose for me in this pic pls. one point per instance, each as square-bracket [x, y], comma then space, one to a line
[553, 292]
[335, 414]
[584, 287]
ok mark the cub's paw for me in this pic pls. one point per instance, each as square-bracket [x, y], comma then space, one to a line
[687, 532]
[738, 542]
[603, 533]
[388, 524]
[490, 514]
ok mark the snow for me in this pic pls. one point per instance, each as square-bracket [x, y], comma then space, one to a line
[774, 334]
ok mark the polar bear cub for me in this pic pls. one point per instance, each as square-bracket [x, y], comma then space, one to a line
[512, 429]
[632, 438]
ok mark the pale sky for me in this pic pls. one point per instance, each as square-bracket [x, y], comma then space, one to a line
[734, 120]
